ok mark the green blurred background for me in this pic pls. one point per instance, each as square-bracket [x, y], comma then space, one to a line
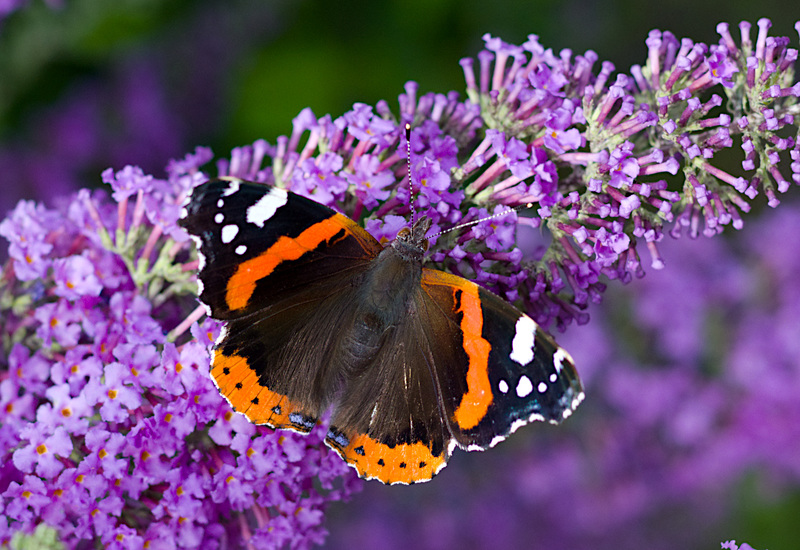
[280, 56]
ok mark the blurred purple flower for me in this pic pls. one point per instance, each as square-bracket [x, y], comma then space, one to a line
[75, 277]
[7, 7]
[731, 545]
[44, 443]
[131, 109]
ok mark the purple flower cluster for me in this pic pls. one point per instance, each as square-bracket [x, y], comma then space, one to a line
[112, 433]
[592, 151]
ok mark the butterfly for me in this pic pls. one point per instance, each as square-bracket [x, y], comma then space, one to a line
[318, 315]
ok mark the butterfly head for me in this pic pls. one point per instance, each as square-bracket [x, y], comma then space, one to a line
[411, 243]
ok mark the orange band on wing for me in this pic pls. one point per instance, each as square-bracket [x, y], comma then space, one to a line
[405, 463]
[238, 383]
[476, 401]
[242, 284]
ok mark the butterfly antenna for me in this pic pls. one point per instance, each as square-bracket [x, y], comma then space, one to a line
[408, 164]
[455, 227]
[479, 220]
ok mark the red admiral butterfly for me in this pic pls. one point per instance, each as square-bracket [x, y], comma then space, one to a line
[319, 315]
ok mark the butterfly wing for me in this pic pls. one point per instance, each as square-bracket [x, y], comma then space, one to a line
[510, 372]
[464, 369]
[389, 425]
[280, 269]
[259, 244]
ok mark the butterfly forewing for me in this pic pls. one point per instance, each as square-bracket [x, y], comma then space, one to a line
[278, 268]
[260, 244]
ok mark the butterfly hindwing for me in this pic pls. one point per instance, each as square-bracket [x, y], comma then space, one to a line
[389, 424]
[275, 365]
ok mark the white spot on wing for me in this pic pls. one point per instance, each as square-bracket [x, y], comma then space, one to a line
[517, 424]
[229, 233]
[241, 249]
[451, 445]
[200, 289]
[574, 405]
[559, 357]
[233, 187]
[201, 259]
[219, 217]
[220, 203]
[223, 333]
[266, 206]
[524, 386]
[502, 386]
[542, 387]
[524, 339]
[553, 377]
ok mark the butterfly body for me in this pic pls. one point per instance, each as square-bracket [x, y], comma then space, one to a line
[412, 362]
